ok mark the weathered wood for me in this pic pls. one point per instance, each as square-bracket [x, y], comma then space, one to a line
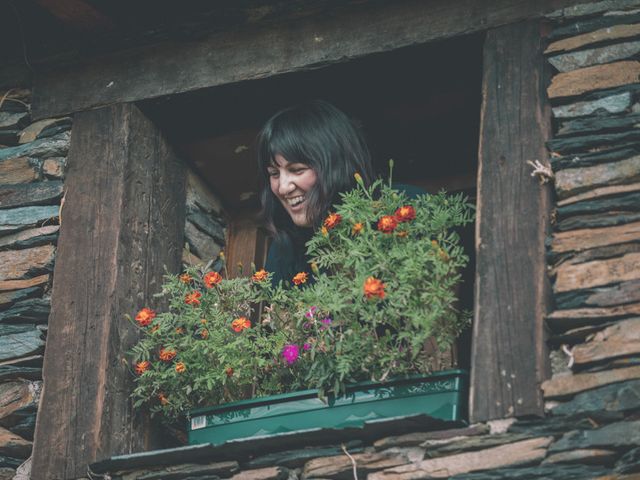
[598, 77]
[598, 220]
[78, 15]
[578, 240]
[612, 104]
[508, 326]
[596, 158]
[6, 285]
[597, 273]
[588, 143]
[260, 51]
[615, 197]
[17, 170]
[125, 182]
[583, 126]
[16, 264]
[625, 292]
[41, 193]
[566, 385]
[519, 453]
[576, 180]
[605, 34]
[595, 56]
[247, 244]
[618, 340]
[30, 238]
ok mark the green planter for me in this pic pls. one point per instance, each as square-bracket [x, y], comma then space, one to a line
[441, 395]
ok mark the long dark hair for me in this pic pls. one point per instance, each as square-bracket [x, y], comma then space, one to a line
[319, 135]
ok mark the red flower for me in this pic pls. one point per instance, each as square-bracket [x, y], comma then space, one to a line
[260, 276]
[192, 298]
[240, 324]
[373, 288]
[229, 372]
[332, 220]
[211, 279]
[166, 354]
[142, 367]
[387, 224]
[145, 316]
[405, 213]
[300, 278]
[180, 367]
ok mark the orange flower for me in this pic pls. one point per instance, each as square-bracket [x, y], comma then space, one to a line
[332, 220]
[260, 276]
[179, 330]
[357, 228]
[186, 278]
[358, 179]
[211, 279]
[142, 367]
[180, 367]
[387, 224]
[203, 321]
[145, 316]
[204, 333]
[373, 288]
[300, 278]
[240, 324]
[405, 213]
[324, 231]
[229, 371]
[166, 354]
[192, 298]
[163, 399]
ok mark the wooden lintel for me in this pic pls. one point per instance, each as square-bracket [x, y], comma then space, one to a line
[262, 51]
[77, 14]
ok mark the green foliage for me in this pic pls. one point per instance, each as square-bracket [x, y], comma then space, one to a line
[380, 292]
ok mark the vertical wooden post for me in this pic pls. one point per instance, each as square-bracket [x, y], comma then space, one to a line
[122, 223]
[509, 356]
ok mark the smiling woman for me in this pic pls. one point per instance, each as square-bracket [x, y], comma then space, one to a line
[308, 154]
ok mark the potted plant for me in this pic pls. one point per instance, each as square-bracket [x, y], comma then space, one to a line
[385, 271]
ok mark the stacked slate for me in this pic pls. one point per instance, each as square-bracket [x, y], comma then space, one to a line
[32, 163]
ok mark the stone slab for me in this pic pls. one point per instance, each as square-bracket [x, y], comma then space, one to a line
[616, 435]
[612, 104]
[598, 77]
[16, 264]
[566, 385]
[604, 34]
[595, 56]
[13, 445]
[30, 238]
[56, 146]
[6, 285]
[17, 170]
[618, 397]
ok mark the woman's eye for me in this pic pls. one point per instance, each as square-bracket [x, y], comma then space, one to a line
[272, 173]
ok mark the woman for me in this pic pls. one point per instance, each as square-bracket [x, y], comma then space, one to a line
[308, 154]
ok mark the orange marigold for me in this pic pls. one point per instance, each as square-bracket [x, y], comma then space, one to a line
[145, 316]
[332, 220]
[229, 371]
[179, 330]
[192, 298]
[204, 333]
[163, 399]
[211, 279]
[357, 228]
[300, 278]
[142, 367]
[186, 278]
[373, 287]
[260, 276]
[166, 354]
[180, 367]
[240, 324]
[387, 224]
[405, 213]
[324, 231]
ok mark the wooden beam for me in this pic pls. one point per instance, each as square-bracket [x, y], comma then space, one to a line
[512, 291]
[123, 222]
[78, 15]
[258, 51]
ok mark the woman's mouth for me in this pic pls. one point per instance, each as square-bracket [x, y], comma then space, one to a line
[296, 201]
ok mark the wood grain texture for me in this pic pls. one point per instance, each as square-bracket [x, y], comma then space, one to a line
[512, 291]
[256, 51]
[123, 222]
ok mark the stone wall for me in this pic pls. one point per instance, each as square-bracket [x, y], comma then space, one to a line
[592, 426]
[32, 164]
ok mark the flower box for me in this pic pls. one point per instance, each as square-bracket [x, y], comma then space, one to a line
[441, 395]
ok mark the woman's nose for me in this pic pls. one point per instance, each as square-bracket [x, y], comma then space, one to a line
[286, 184]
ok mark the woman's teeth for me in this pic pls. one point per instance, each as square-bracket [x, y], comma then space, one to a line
[295, 201]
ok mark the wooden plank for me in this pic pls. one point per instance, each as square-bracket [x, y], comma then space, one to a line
[124, 181]
[578, 240]
[512, 216]
[605, 34]
[78, 15]
[566, 385]
[259, 51]
[246, 244]
[597, 273]
[598, 77]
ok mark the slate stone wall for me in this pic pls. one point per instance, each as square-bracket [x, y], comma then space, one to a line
[32, 164]
[592, 426]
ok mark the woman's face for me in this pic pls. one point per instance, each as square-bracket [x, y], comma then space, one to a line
[291, 183]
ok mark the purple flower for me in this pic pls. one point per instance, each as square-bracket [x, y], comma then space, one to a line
[290, 353]
[306, 347]
[327, 320]
[311, 312]
[306, 325]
